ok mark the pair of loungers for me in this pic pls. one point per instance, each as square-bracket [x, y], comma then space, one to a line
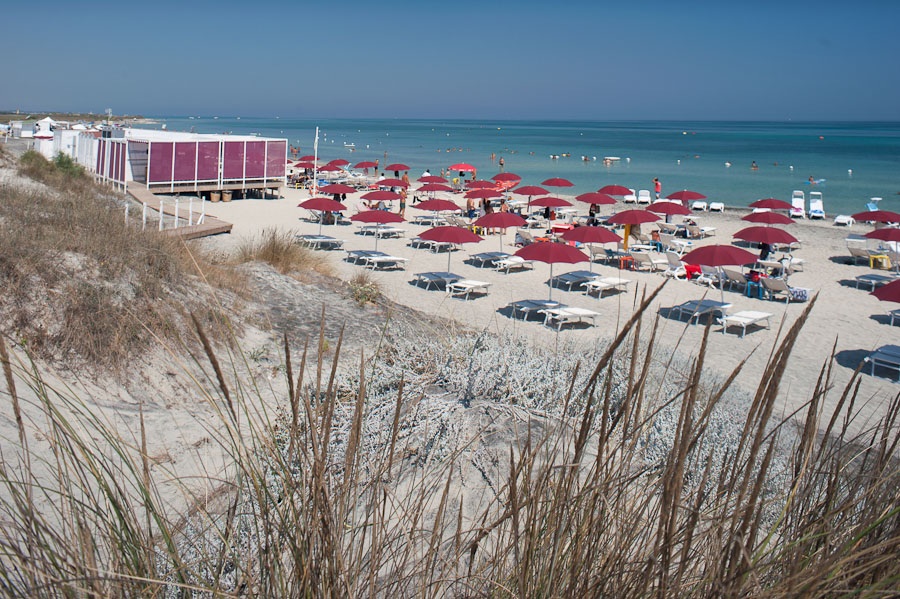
[320, 242]
[554, 313]
[453, 284]
[376, 260]
[709, 308]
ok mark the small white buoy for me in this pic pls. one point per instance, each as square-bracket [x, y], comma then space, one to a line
[850, 172]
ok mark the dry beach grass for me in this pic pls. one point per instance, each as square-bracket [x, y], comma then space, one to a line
[429, 458]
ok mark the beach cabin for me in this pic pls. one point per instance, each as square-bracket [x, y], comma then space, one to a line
[180, 162]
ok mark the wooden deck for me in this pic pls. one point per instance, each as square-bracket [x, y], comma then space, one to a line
[210, 225]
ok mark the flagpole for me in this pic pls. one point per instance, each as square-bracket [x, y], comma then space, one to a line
[314, 188]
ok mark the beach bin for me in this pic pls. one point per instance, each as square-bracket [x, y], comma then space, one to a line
[215, 196]
[226, 195]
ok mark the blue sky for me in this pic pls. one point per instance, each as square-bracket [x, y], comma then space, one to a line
[758, 60]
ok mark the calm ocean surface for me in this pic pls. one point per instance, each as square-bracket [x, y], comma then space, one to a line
[856, 160]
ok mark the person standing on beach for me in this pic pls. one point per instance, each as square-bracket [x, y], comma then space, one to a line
[403, 195]
[657, 186]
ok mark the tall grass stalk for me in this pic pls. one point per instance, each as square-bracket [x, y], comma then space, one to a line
[618, 478]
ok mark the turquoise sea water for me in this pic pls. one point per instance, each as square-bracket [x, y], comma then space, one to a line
[856, 160]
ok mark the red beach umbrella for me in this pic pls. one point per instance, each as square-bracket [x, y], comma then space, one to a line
[889, 292]
[481, 184]
[381, 195]
[432, 187]
[506, 177]
[552, 253]
[530, 190]
[769, 218]
[686, 195]
[719, 255]
[483, 194]
[450, 235]
[431, 179]
[595, 197]
[398, 166]
[339, 162]
[668, 208]
[463, 167]
[499, 220]
[549, 202]
[329, 168]
[629, 218]
[322, 205]
[884, 234]
[632, 217]
[392, 183]
[365, 164]
[878, 216]
[304, 164]
[558, 182]
[334, 188]
[590, 236]
[437, 206]
[309, 157]
[771, 204]
[615, 190]
[770, 235]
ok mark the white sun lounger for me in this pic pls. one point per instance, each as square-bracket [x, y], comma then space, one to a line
[843, 220]
[517, 262]
[466, 287]
[605, 283]
[873, 280]
[697, 308]
[887, 356]
[699, 205]
[744, 319]
[526, 307]
[386, 261]
[320, 242]
[717, 206]
[567, 314]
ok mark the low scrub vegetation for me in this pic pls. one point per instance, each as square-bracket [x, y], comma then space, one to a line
[468, 465]
[279, 248]
[79, 283]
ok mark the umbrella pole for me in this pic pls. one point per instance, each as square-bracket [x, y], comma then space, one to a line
[591, 257]
[321, 218]
[550, 297]
[449, 251]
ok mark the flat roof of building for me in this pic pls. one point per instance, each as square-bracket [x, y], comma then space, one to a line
[134, 134]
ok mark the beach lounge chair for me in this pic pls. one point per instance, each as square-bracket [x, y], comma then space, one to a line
[527, 307]
[672, 243]
[843, 220]
[895, 315]
[466, 287]
[488, 258]
[597, 252]
[816, 205]
[732, 278]
[381, 231]
[575, 278]
[858, 253]
[513, 262]
[887, 356]
[873, 280]
[650, 261]
[380, 260]
[320, 242]
[699, 205]
[438, 280]
[717, 206]
[698, 232]
[667, 228]
[697, 308]
[524, 237]
[779, 289]
[798, 204]
[606, 284]
[630, 198]
[675, 268]
[644, 197]
[568, 314]
[744, 319]
[708, 276]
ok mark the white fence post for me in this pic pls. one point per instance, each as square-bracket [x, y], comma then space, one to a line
[162, 214]
[191, 211]
[127, 206]
[177, 201]
[202, 211]
[144, 217]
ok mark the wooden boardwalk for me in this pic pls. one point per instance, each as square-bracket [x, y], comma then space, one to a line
[210, 225]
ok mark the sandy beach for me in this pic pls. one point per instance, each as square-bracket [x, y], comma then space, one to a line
[845, 317]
